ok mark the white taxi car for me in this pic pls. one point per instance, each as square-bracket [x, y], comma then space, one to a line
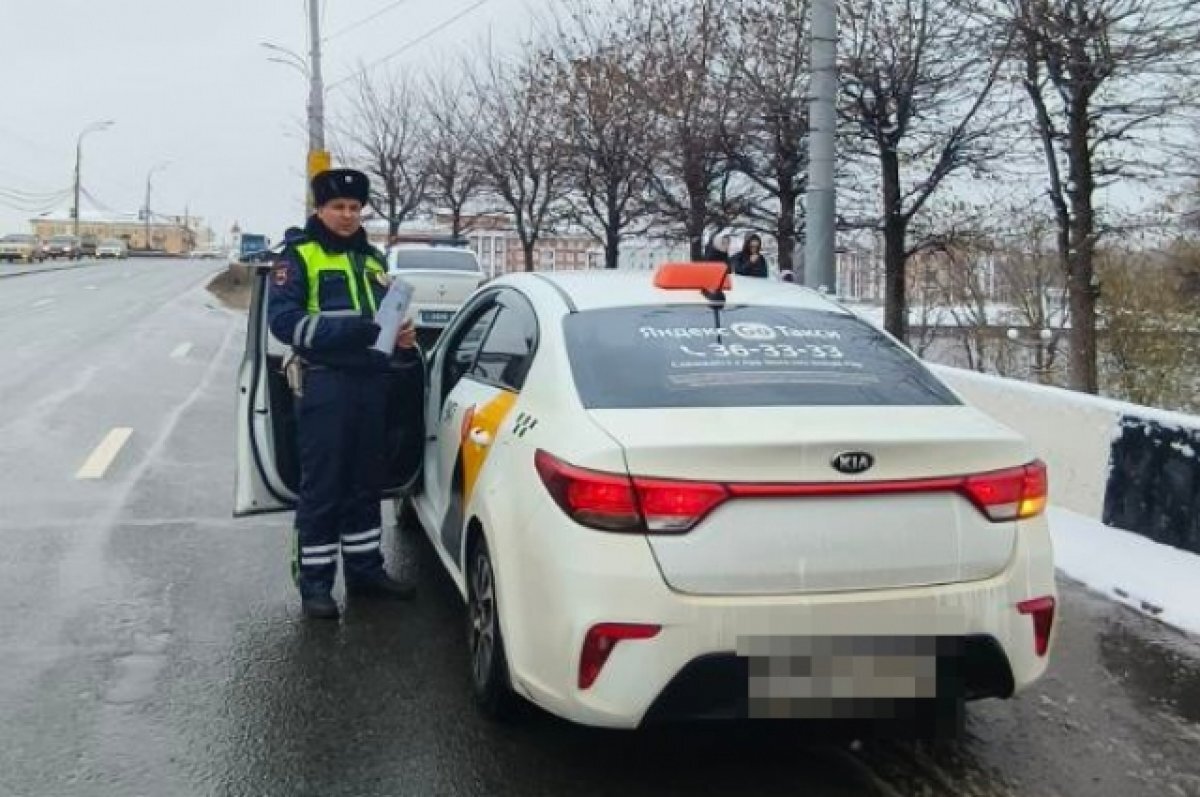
[683, 496]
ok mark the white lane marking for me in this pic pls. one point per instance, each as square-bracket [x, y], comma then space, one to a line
[91, 288]
[96, 465]
[181, 351]
[43, 302]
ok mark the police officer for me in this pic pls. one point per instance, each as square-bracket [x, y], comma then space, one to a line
[324, 292]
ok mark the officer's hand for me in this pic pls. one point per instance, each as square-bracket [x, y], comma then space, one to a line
[406, 338]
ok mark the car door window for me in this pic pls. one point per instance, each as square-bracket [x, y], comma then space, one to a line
[507, 353]
[461, 353]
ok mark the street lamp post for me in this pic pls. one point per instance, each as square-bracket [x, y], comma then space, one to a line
[820, 269]
[1041, 338]
[93, 127]
[318, 157]
[158, 167]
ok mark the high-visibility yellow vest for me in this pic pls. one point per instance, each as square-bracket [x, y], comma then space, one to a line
[358, 279]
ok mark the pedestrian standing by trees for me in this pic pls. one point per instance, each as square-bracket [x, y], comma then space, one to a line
[324, 293]
[750, 262]
[718, 249]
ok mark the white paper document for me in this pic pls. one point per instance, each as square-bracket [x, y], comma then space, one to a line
[391, 314]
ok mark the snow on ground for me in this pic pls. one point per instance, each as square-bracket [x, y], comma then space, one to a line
[1155, 579]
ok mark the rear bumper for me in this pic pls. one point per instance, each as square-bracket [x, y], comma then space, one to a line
[714, 686]
[569, 579]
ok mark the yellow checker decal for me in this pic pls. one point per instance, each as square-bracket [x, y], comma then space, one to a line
[487, 418]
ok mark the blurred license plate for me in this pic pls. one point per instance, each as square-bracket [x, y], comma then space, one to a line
[810, 676]
[436, 316]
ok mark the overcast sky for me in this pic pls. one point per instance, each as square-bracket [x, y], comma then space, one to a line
[189, 83]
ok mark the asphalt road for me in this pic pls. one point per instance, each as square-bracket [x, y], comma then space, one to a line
[153, 645]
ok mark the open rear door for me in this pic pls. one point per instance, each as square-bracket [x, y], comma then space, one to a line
[268, 464]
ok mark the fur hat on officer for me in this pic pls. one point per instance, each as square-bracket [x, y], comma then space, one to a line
[340, 184]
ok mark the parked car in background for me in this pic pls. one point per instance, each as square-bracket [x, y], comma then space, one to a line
[88, 245]
[21, 248]
[64, 246]
[250, 248]
[113, 248]
[208, 253]
[444, 272]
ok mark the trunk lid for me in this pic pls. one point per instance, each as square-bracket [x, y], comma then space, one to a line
[785, 545]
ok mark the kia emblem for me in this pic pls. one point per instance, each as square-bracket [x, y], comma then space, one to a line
[853, 462]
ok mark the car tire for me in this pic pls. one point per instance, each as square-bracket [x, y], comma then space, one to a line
[490, 684]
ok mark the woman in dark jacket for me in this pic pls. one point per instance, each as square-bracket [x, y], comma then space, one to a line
[750, 262]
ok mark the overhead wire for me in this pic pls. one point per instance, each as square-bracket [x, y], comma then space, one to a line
[364, 20]
[409, 45]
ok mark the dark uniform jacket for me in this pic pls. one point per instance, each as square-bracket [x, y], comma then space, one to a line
[338, 337]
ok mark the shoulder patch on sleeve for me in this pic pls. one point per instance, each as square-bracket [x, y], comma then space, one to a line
[281, 274]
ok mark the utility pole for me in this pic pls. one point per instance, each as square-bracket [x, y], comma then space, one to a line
[93, 127]
[318, 159]
[318, 156]
[820, 269]
[75, 206]
[157, 167]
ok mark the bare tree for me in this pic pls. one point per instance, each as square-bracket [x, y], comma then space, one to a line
[384, 137]
[1030, 281]
[1151, 345]
[686, 87]
[597, 83]
[917, 75]
[517, 146]
[1105, 78]
[770, 69]
[455, 177]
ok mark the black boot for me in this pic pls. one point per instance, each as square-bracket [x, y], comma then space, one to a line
[319, 607]
[380, 586]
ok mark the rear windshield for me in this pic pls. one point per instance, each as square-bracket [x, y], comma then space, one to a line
[683, 356]
[18, 238]
[433, 259]
[63, 239]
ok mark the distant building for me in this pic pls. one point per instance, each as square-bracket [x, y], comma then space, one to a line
[495, 242]
[174, 235]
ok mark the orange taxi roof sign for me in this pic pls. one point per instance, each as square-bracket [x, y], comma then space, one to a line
[693, 276]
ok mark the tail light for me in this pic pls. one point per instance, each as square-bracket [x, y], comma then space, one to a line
[599, 643]
[614, 502]
[1042, 612]
[1013, 494]
[600, 500]
[676, 506]
[619, 502]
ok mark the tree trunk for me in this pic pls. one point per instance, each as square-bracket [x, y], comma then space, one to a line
[1081, 255]
[612, 230]
[785, 234]
[895, 304]
[697, 205]
[527, 246]
[697, 190]
[612, 248]
[393, 220]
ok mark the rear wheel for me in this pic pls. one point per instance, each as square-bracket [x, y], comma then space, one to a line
[489, 667]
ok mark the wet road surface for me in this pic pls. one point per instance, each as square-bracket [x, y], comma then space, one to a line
[153, 645]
